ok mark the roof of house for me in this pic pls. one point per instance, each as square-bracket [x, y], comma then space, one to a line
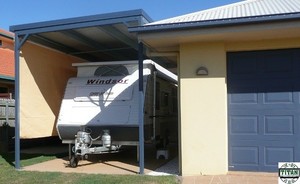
[241, 12]
[248, 8]
[6, 34]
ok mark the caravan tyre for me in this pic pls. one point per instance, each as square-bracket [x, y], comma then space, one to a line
[74, 161]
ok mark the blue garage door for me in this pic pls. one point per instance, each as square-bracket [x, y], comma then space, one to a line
[264, 108]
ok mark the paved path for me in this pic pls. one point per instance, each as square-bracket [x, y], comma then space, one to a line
[233, 178]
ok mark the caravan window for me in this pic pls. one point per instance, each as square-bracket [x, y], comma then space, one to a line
[111, 70]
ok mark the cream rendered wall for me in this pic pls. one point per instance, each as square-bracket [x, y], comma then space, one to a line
[263, 44]
[203, 99]
[43, 77]
[203, 109]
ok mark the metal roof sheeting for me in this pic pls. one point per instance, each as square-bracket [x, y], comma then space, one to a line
[102, 37]
[247, 8]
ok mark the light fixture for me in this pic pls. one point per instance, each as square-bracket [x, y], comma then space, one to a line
[202, 71]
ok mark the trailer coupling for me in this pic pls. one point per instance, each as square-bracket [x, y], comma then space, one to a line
[83, 146]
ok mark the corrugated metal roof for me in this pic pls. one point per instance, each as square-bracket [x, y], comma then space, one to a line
[102, 37]
[247, 8]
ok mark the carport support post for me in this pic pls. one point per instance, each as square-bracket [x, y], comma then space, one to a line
[17, 101]
[141, 109]
[18, 45]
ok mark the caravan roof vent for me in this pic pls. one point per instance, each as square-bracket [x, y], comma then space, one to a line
[111, 70]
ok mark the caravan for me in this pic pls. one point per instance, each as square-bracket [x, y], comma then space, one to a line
[99, 112]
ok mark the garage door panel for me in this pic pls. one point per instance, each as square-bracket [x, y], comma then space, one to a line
[279, 125]
[244, 98]
[263, 109]
[272, 125]
[287, 85]
[262, 157]
[272, 63]
[273, 154]
[241, 125]
[278, 97]
[263, 64]
[243, 66]
[245, 155]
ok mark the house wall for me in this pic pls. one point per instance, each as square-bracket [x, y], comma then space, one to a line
[203, 99]
[43, 77]
[203, 109]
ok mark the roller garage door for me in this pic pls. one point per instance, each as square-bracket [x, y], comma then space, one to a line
[263, 109]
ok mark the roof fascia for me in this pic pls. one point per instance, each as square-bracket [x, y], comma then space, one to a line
[215, 23]
[6, 36]
[7, 78]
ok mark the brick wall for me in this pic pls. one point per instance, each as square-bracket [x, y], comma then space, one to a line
[7, 66]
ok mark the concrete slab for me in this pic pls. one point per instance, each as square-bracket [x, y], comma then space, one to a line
[124, 162]
[87, 166]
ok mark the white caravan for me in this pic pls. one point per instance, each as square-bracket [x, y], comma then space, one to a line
[101, 107]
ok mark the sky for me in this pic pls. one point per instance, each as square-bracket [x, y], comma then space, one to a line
[17, 12]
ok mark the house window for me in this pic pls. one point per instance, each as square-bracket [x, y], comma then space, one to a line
[0, 43]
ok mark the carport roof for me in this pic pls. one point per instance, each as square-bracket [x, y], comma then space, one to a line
[103, 37]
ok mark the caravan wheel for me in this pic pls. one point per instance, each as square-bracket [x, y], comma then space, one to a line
[74, 161]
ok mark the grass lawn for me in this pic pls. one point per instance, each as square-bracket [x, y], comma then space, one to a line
[8, 174]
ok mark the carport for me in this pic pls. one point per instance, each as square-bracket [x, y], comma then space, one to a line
[102, 37]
